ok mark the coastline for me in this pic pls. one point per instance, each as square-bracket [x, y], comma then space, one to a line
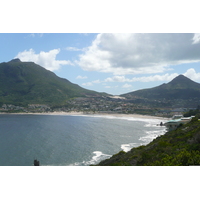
[92, 114]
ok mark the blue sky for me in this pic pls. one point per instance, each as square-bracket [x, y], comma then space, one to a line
[104, 17]
[108, 62]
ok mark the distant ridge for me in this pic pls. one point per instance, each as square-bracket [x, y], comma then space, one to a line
[22, 83]
[178, 92]
[182, 82]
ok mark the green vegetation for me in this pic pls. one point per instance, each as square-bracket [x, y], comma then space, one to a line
[23, 83]
[193, 113]
[27, 87]
[180, 92]
[180, 147]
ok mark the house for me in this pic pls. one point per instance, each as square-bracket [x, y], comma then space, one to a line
[176, 121]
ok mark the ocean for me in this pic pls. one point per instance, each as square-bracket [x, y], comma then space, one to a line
[64, 140]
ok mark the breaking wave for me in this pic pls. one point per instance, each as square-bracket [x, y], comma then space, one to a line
[99, 156]
[128, 147]
[151, 135]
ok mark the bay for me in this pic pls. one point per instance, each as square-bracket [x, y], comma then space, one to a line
[64, 140]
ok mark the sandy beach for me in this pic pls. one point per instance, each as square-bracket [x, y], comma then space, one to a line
[93, 114]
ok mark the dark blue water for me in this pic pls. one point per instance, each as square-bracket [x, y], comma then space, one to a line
[70, 140]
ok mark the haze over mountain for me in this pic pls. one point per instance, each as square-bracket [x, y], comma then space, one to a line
[22, 83]
[178, 92]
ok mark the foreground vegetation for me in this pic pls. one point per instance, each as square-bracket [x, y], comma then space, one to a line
[180, 147]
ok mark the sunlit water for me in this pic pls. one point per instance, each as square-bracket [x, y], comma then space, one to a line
[70, 140]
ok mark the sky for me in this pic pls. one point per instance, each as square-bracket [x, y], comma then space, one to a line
[91, 54]
[107, 46]
[115, 63]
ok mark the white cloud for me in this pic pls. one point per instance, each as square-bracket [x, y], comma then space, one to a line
[87, 84]
[35, 35]
[91, 83]
[45, 59]
[126, 86]
[196, 38]
[165, 77]
[96, 81]
[81, 77]
[74, 49]
[192, 74]
[116, 79]
[122, 54]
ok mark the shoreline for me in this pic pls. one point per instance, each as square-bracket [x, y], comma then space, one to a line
[92, 114]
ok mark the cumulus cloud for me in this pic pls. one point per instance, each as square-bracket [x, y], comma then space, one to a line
[87, 84]
[123, 54]
[116, 79]
[126, 86]
[122, 79]
[45, 59]
[81, 77]
[165, 77]
[192, 74]
[196, 38]
[74, 49]
[91, 83]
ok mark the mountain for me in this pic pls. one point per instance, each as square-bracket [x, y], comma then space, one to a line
[22, 83]
[179, 92]
[179, 147]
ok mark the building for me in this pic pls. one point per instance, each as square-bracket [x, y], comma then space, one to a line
[176, 121]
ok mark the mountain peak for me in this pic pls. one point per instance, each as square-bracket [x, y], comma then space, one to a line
[15, 60]
[23, 83]
[180, 91]
[181, 77]
[183, 81]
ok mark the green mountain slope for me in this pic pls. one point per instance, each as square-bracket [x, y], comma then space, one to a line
[181, 89]
[178, 147]
[22, 83]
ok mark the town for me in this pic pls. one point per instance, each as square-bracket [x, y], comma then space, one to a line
[104, 104]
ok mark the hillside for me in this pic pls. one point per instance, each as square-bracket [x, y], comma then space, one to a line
[178, 147]
[22, 83]
[180, 92]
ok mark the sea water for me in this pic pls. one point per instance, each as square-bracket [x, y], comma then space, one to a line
[63, 140]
